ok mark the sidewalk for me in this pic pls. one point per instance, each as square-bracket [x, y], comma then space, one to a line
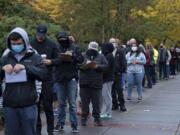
[157, 114]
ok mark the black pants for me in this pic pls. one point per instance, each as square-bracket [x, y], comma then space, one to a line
[149, 73]
[162, 69]
[117, 92]
[173, 69]
[90, 95]
[46, 98]
[153, 74]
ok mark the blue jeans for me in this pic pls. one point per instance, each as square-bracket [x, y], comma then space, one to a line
[67, 91]
[135, 79]
[20, 121]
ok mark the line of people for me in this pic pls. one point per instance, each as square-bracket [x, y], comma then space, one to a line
[102, 73]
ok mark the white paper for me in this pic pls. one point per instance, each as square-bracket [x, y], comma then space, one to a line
[16, 77]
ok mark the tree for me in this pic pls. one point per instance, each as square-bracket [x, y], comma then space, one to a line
[163, 15]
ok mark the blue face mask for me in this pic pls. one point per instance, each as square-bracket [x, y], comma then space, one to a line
[17, 48]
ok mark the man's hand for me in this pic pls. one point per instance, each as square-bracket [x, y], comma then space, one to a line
[47, 61]
[68, 53]
[8, 68]
[18, 67]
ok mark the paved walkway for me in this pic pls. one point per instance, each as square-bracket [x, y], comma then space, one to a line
[157, 114]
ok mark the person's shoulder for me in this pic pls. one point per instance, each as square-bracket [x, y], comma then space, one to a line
[50, 42]
[101, 56]
[142, 54]
[120, 50]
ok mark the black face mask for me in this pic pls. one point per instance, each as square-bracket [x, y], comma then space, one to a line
[92, 54]
[64, 43]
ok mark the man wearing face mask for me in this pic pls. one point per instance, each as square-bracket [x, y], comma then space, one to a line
[120, 70]
[49, 51]
[91, 82]
[20, 95]
[66, 79]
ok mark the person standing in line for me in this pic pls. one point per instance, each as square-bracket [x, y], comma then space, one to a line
[49, 52]
[66, 79]
[91, 82]
[119, 74]
[173, 62]
[108, 78]
[135, 67]
[20, 95]
[162, 59]
[168, 63]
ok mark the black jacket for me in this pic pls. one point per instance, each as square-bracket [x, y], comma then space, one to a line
[50, 49]
[23, 94]
[66, 71]
[120, 62]
[107, 49]
[93, 78]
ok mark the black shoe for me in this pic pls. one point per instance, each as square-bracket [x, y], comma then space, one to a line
[97, 122]
[115, 108]
[75, 130]
[123, 108]
[140, 98]
[83, 121]
[58, 128]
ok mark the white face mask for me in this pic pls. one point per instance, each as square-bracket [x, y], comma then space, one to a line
[134, 48]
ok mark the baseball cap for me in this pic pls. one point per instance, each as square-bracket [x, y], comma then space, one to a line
[41, 30]
[93, 45]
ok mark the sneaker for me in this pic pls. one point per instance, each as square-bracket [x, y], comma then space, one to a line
[97, 122]
[58, 128]
[103, 116]
[123, 108]
[140, 98]
[75, 130]
[109, 116]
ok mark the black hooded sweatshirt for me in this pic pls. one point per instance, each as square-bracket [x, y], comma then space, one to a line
[108, 75]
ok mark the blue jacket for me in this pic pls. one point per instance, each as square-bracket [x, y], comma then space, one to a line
[135, 68]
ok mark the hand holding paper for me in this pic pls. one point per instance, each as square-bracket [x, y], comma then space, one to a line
[8, 68]
[47, 61]
[66, 57]
[90, 65]
[18, 67]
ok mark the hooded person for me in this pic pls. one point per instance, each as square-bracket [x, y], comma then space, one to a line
[66, 79]
[91, 82]
[108, 78]
[20, 67]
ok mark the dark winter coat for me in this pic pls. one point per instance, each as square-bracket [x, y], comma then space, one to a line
[23, 94]
[93, 78]
[108, 74]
